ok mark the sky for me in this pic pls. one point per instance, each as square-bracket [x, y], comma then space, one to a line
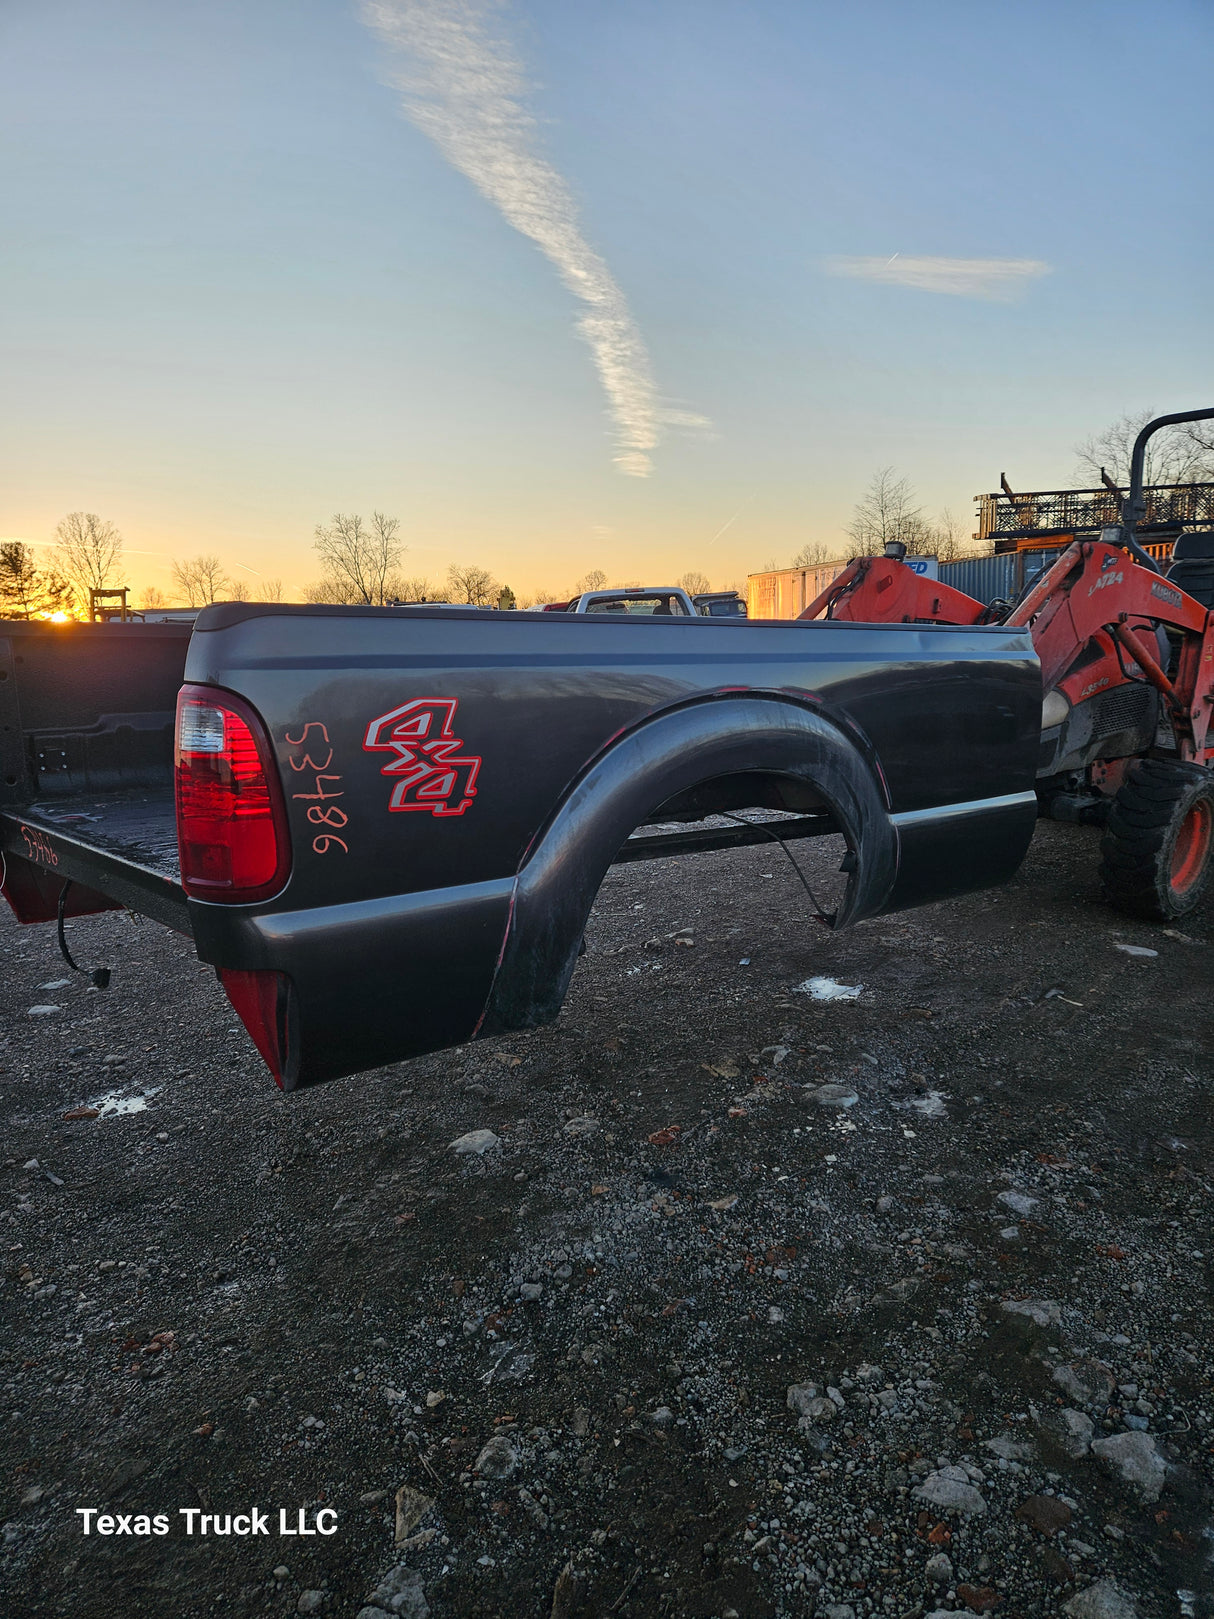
[634, 285]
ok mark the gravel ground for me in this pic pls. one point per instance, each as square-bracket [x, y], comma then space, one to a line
[748, 1303]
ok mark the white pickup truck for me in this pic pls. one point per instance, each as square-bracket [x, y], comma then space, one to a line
[661, 601]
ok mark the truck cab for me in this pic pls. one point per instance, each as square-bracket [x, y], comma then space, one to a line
[719, 604]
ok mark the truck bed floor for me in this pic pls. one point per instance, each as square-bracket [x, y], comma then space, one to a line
[124, 844]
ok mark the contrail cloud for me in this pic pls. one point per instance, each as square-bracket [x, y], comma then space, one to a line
[992, 280]
[465, 89]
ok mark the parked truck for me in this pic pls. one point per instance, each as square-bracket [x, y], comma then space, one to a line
[385, 828]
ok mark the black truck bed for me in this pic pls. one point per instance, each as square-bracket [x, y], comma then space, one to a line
[533, 751]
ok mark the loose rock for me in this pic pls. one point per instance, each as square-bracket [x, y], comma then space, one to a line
[799, 1397]
[411, 1507]
[1045, 1512]
[1042, 1312]
[476, 1142]
[950, 1490]
[1136, 1458]
[498, 1458]
[399, 1592]
[1077, 1432]
[1018, 1202]
[979, 1598]
[1087, 1382]
[833, 1096]
[1104, 1600]
[939, 1568]
[1009, 1450]
[584, 1126]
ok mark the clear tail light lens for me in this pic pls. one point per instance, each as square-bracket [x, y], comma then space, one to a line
[231, 823]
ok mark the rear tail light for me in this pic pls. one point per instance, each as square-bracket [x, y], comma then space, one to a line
[231, 823]
[260, 999]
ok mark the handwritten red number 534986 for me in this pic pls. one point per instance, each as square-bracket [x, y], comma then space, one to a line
[318, 815]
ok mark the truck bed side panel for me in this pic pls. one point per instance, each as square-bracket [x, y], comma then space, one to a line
[426, 757]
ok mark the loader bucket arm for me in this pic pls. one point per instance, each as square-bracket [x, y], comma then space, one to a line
[883, 590]
[1094, 585]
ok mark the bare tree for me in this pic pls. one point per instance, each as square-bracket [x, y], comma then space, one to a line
[269, 590]
[238, 591]
[810, 554]
[535, 598]
[1183, 454]
[419, 589]
[201, 580]
[887, 511]
[948, 537]
[594, 580]
[359, 560]
[26, 590]
[695, 583]
[324, 593]
[88, 554]
[1201, 435]
[471, 584]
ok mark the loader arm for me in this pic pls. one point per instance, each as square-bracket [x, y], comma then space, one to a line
[1096, 586]
[883, 590]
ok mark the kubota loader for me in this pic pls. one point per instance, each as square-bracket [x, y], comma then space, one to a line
[1127, 666]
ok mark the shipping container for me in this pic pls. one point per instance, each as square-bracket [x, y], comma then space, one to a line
[1003, 577]
[987, 579]
[1008, 574]
[787, 592]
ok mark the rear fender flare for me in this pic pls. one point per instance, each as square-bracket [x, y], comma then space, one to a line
[662, 756]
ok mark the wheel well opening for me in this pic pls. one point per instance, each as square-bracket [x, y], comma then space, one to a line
[742, 791]
[814, 853]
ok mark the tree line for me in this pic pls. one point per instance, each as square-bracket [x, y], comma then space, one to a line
[360, 559]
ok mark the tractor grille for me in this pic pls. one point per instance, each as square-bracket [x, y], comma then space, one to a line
[1132, 707]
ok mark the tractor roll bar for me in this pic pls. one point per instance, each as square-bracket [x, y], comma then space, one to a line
[1135, 506]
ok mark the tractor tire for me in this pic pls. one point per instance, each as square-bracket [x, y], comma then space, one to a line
[1158, 845]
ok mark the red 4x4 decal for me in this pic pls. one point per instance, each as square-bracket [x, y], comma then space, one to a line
[429, 772]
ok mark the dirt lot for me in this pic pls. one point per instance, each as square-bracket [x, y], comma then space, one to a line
[982, 1263]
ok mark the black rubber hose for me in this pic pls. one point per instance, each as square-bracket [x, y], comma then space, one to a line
[100, 976]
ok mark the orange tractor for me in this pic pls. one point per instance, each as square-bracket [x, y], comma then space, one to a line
[1127, 670]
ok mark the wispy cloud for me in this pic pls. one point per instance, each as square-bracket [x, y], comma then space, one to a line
[463, 86]
[994, 280]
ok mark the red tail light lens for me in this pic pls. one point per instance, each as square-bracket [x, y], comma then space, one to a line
[231, 825]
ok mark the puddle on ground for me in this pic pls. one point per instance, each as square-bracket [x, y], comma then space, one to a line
[827, 989]
[116, 1104]
[932, 1105]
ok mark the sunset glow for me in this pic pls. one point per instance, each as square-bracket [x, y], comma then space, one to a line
[634, 288]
